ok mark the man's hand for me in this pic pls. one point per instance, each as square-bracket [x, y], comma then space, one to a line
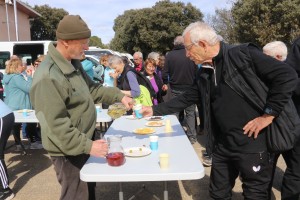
[128, 102]
[165, 87]
[254, 126]
[99, 148]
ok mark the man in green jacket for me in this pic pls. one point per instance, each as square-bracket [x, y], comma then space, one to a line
[63, 97]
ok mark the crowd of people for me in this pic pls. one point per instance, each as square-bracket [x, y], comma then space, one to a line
[201, 73]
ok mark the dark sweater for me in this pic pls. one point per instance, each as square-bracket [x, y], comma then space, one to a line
[179, 71]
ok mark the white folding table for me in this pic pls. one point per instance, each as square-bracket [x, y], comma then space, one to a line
[31, 117]
[184, 162]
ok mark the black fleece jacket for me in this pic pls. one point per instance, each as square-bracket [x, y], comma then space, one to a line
[179, 71]
[229, 111]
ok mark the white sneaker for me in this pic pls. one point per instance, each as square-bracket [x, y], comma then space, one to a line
[36, 145]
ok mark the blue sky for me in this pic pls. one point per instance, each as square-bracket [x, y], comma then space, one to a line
[100, 15]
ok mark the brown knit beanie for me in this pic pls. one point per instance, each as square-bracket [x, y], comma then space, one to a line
[72, 27]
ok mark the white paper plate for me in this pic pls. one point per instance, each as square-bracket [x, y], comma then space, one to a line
[154, 118]
[131, 117]
[144, 131]
[155, 123]
[27, 110]
[137, 151]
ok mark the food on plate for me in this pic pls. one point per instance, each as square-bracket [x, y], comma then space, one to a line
[155, 118]
[137, 151]
[144, 130]
[155, 123]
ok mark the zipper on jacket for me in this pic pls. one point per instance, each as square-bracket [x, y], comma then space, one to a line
[214, 69]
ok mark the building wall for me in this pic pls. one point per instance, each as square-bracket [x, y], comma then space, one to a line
[23, 24]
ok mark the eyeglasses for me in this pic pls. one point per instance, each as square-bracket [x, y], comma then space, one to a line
[188, 47]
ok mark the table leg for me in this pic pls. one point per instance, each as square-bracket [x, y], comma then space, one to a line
[166, 195]
[121, 196]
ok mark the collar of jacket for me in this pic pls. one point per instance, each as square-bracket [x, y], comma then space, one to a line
[63, 64]
[178, 47]
[219, 56]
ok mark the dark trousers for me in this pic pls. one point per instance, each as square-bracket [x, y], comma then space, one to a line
[255, 170]
[189, 117]
[67, 170]
[290, 189]
[6, 124]
[31, 132]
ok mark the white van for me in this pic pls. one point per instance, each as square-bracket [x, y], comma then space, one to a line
[25, 49]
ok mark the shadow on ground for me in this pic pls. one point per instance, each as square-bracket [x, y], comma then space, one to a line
[23, 167]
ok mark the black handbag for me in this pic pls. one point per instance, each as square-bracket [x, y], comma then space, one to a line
[283, 132]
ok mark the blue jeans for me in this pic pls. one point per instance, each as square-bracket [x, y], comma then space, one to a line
[189, 117]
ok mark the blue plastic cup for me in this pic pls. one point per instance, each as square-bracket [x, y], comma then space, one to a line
[25, 113]
[137, 108]
[98, 109]
[154, 145]
[153, 142]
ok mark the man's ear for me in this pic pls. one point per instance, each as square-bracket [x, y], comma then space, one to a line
[202, 44]
[65, 43]
[278, 57]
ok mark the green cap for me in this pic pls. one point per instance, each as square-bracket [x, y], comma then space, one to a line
[72, 27]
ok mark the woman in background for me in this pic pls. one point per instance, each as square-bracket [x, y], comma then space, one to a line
[157, 84]
[109, 79]
[17, 88]
[88, 67]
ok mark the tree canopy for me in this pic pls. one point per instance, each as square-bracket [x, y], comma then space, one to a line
[44, 27]
[96, 41]
[223, 23]
[153, 29]
[263, 21]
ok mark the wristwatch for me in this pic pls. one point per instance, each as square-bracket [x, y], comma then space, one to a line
[269, 111]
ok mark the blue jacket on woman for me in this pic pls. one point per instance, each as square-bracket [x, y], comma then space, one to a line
[17, 91]
[88, 68]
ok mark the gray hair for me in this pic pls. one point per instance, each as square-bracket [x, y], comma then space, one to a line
[202, 31]
[154, 56]
[178, 40]
[114, 60]
[139, 54]
[276, 48]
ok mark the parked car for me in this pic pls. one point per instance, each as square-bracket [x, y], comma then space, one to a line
[98, 52]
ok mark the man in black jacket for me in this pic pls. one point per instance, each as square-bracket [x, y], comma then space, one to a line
[236, 108]
[179, 72]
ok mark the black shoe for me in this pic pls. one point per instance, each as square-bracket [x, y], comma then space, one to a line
[207, 161]
[193, 140]
[6, 194]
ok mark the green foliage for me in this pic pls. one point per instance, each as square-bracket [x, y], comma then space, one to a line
[223, 23]
[153, 29]
[96, 41]
[262, 21]
[44, 27]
